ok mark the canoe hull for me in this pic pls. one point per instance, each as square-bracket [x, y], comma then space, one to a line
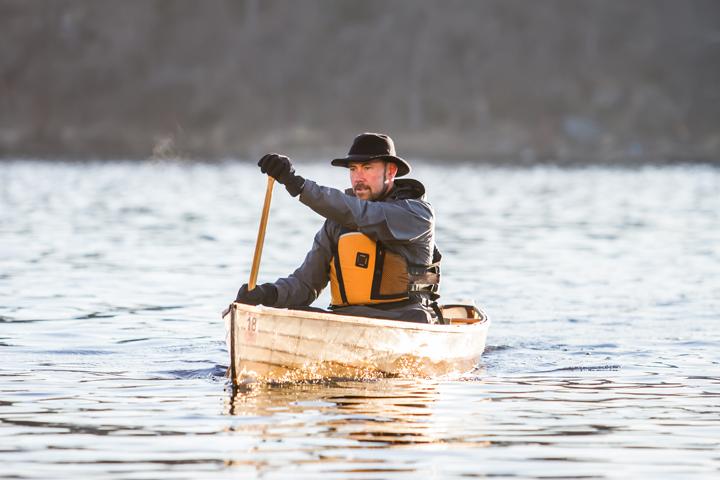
[272, 344]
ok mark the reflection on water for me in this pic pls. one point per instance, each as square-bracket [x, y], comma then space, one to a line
[603, 360]
[341, 427]
[388, 412]
[560, 427]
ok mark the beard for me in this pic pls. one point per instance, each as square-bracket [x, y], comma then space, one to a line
[364, 192]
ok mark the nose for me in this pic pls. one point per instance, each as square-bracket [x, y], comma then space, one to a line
[356, 175]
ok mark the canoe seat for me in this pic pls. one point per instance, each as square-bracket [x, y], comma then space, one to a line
[463, 314]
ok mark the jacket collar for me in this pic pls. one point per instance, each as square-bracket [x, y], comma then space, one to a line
[404, 189]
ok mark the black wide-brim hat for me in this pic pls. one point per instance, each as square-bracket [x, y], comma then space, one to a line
[373, 146]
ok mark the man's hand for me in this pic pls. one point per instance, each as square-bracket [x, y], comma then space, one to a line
[265, 294]
[280, 168]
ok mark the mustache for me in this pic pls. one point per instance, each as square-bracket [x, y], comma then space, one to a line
[360, 186]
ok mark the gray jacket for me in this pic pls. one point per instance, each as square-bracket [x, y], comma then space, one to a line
[404, 222]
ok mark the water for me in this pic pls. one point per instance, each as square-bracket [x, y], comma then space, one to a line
[603, 358]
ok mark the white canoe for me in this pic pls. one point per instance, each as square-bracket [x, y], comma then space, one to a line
[276, 344]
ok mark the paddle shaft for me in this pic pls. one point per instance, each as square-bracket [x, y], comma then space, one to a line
[261, 235]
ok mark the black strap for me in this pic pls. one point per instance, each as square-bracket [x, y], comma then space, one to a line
[415, 298]
[437, 256]
[436, 308]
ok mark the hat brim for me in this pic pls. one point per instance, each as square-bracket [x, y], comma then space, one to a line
[403, 166]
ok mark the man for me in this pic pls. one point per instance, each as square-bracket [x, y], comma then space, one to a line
[377, 246]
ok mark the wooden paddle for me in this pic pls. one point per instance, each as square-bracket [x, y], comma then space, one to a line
[253, 272]
[260, 239]
[261, 234]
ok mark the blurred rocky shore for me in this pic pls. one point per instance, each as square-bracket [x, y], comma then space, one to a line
[503, 81]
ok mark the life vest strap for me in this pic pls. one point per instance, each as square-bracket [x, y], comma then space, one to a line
[424, 278]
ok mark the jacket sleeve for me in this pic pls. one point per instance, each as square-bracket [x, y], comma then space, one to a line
[304, 285]
[400, 221]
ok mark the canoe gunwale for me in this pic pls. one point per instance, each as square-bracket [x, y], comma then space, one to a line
[348, 319]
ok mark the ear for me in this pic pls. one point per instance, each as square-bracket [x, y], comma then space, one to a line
[391, 171]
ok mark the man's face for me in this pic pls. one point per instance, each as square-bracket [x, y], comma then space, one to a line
[370, 179]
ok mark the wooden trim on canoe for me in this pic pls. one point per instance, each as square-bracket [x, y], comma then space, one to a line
[233, 369]
[465, 321]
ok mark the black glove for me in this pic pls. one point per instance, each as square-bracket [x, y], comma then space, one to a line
[280, 168]
[265, 294]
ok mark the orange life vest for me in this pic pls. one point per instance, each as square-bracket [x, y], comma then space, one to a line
[363, 272]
